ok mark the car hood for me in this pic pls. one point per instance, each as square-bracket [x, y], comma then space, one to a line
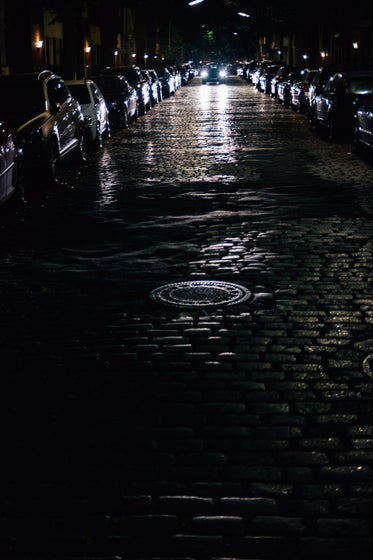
[20, 122]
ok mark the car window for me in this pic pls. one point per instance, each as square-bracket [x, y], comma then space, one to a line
[57, 91]
[330, 85]
[361, 86]
[80, 93]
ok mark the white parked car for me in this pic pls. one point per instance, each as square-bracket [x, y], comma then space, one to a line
[94, 109]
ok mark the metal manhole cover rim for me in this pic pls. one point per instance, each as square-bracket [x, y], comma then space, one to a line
[235, 293]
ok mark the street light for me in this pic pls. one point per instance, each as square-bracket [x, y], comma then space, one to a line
[243, 14]
[195, 2]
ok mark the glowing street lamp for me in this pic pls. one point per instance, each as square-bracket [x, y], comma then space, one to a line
[243, 14]
[195, 2]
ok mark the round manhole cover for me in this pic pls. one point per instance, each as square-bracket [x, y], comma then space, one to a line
[200, 293]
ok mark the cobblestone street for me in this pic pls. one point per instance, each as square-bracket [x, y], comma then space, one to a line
[135, 430]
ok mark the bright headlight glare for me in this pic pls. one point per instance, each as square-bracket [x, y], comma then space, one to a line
[204, 73]
[222, 73]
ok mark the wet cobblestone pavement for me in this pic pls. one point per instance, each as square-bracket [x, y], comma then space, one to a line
[135, 430]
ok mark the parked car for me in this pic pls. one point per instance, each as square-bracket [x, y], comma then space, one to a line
[213, 73]
[363, 124]
[184, 73]
[299, 91]
[316, 87]
[10, 164]
[152, 85]
[281, 74]
[283, 88]
[266, 77]
[47, 120]
[335, 107]
[94, 109]
[167, 81]
[176, 74]
[257, 72]
[134, 78]
[155, 80]
[121, 99]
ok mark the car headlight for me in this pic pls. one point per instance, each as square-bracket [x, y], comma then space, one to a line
[222, 73]
[204, 74]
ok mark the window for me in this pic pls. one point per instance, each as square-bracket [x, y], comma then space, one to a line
[57, 92]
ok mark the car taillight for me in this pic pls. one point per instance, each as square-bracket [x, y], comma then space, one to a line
[345, 85]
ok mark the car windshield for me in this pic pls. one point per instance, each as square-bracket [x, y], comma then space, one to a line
[80, 93]
[109, 86]
[22, 97]
[361, 86]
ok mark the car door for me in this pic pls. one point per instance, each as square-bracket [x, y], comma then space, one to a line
[326, 101]
[366, 124]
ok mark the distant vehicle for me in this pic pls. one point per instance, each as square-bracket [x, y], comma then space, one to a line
[136, 80]
[283, 88]
[152, 85]
[264, 83]
[10, 164]
[316, 87]
[335, 107]
[299, 91]
[167, 80]
[48, 121]
[281, 75]
[363, 125]
[155, 80]
[94, 109]
[121, 99]
[213, 73]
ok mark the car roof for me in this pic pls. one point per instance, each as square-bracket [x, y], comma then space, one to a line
[354, 73]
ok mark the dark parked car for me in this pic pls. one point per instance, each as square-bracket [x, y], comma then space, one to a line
[258, 70]
[153, 86]
[213, 73]
[48, 121]
[266, 77]
[283, 89]
[300, 90]
[167, 81]
[10, 161]
[121, 99]
[316, 87]
[363, 124]
[281, 75]
[134, 78]
[336, 106]
[155, 80]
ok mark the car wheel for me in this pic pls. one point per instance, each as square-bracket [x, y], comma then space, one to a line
[99, 140]
[107, 132]
[81, 152]
[20, 181]
[356, 139]
[333, 134]
[136, 114]
[53, 163]
[124, 120]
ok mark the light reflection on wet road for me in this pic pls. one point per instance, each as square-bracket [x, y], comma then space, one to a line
[211, 154]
